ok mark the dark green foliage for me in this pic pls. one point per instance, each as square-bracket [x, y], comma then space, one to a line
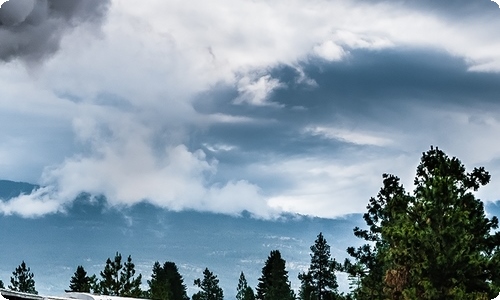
[209, 286]
[243, 291]
[249, 294]
[365, 276]
[434, 244]
[274, 283]
[306, 291]
[117, 279]
[80, 282]
[109, 283]
[23, 280]
[131, 287]
[175, 280]
[166, 283]
[320, 282]
[1, 285]
[367, 273]
[159, 287]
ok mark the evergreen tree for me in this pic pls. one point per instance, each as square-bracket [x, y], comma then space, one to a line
[355, 273]
[108, 279]
[159, 286]
[385, 211]
[306, 291]
[175, 280]
[166, 283]
[274, 283]
[1, 284]
[243, 291]
[366, 274]
[23, 280]
[209, 286]
[130, 286]
[117, 279]
[321, 277]
[80, 282]
[434, 244]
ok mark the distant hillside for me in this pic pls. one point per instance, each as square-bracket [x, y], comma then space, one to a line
[10, 189]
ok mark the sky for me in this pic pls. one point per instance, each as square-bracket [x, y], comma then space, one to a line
[230, 106]
[239, 107]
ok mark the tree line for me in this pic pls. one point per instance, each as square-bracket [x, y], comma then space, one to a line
[433, 243]
[119, 279]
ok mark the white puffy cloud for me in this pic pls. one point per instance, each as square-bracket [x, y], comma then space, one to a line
[35, 204]
[329, 51]
[219, 147]
[350, 136]
[361, 40]
[334, 187]
[123, 164]
[256, 92]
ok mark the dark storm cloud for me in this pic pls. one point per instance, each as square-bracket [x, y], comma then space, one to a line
[449, 8]
[375, 88]
[363, 84]
[370, 80]
[32, 29]
[384, 93]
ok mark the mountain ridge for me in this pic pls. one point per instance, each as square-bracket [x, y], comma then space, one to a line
[90, 230]
[10, 189]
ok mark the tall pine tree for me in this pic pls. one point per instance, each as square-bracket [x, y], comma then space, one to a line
[131, 285]
[307, 291]
[22, 280]
[166, 283]
[159, 286]
[80, 282]
[274, 283]
[109, 277]
[434, 244]
[209, 286]
[243, 291]
[117, 279]
[320, 281]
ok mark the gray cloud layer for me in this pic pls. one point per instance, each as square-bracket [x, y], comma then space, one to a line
[32, 29]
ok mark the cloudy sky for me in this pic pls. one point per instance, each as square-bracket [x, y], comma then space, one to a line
[264, 106]
[231, 106]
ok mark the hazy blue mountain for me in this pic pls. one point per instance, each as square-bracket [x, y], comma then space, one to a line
[89, 232]
[10, 189]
